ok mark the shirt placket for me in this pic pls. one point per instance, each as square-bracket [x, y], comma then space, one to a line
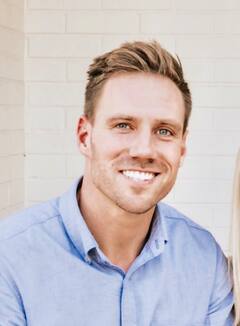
[128, 304]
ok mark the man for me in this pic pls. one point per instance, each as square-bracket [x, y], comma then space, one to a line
[108, 252]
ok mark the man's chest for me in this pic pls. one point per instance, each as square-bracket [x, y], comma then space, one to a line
[84, 295]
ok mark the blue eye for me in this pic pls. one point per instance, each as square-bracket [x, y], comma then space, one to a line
[164, 132]
[122, 125]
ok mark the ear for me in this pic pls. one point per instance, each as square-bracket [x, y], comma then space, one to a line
[183, 148]
[84, 135]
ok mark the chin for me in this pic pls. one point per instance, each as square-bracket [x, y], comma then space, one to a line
[135, 207]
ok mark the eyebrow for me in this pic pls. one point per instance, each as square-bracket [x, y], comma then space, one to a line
[121, 117]
[162, 122]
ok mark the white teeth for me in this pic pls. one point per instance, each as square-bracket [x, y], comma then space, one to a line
[138, 176]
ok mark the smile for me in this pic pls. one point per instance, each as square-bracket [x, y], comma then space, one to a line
[139, 175]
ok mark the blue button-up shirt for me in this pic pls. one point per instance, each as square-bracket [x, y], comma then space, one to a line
[53, 273]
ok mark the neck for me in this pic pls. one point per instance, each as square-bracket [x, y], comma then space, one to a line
[120, 235]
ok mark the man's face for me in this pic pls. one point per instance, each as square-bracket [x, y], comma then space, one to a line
[136, 142]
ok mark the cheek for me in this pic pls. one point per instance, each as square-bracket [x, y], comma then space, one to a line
[171, 152]
[108, 146]
[110, 139]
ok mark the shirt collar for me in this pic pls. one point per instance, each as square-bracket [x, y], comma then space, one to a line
[158, 236]
[83, 239]
[74, 223]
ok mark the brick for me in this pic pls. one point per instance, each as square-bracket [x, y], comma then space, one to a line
[45, 70]
[157, 23]
[5, 169]
[200, 191]
[195, 47]
[208, 46]
[227, 70]
[44, 22]
[5, 119]
[4, 195]
[75, 166]
[192, 23]
[223, 167]
[227, 46]
[226, 23]
[39, 190]
[76, 4]
[18, 142]
[17, 192]
[198, 70]
[17, 3]
[5, 142]
[235, 4]
[136, 4]
[45, 4]
[216, 96]
[46, 118]
[11, 118]
[7, 89]
[17, 118]
[12, 43]
[17, 166]
[109, 43]
[46, 166]
[64, 46]
[209, 143]
[200, 167]
[11, 68]
[201, 214]
[52, 143]
[55, 94]
[201, 119]
[11, 16]
[227, 119]
[203, 5]
[180, 24]
[45, 143]
[71, 143]
[77, 70]
[222, 215]
[102, 22]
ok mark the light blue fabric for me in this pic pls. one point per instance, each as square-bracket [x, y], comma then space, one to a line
[52, 273]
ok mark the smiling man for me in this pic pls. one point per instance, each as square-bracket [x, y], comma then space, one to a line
[109, 252]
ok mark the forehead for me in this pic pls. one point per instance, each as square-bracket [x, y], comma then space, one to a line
[140, 94]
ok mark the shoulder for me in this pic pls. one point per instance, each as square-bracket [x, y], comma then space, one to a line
[27, 220]
[187, 232]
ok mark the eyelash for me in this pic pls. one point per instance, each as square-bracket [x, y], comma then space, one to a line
[169, 132]
[121, 124]
[128, 126]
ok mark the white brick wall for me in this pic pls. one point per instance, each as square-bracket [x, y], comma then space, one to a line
[11, 106]
[62, 37]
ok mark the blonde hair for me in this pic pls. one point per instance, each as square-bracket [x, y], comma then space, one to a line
[135, 57]
[235, 240]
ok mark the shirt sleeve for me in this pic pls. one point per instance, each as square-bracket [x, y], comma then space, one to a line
[220, 308]
[11, 311]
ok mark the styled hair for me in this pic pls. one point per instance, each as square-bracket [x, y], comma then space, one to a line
[135, 57]
[235, 240]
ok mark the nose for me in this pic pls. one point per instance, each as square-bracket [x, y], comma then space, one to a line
[142, 146]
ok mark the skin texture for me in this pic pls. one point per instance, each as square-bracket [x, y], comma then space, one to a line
[138, 126]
